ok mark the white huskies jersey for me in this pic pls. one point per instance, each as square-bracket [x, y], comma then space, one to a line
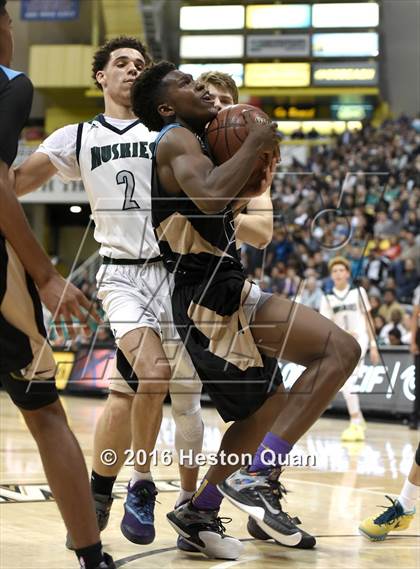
[114, 160]
[347, 308]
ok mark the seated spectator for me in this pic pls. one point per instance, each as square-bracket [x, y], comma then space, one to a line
[407, 280]
[320, 265]
[291, 283]
[379, 323]
[389, 304]
[394, 249]
[410, 248]
[377, 267]
[372, 290]
[396, 323]
[312, 294]
[375, 304]
[394, 337]
[278, 277]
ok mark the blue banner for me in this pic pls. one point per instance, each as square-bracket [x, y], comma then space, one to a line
[35, 10]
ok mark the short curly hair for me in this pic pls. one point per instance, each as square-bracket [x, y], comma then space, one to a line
[103, 54]
[147, 94]
[220, 79]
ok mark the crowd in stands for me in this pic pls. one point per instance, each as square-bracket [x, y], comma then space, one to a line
[359, 198]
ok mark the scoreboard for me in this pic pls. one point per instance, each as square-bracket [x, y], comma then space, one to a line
[290, 48]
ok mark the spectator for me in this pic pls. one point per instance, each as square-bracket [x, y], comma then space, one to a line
[375, 304]
[291, 283]
[390, 303]
[312, 294]
[394, 337]
[396, 322]
[407, 280]
[377, 267]
[379, 323]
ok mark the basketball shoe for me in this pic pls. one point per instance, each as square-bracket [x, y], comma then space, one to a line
[137, 524]
[103, 505]
[259, 494]
[106, 563]
[181, 543]
[394, 518]
[355, 433]
[204, 530]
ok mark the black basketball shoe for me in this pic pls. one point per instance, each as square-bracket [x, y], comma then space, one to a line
[106, 563]
[204, 530]
[259, 495]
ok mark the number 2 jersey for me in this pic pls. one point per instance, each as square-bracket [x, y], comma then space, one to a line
[348, 309]
[113, 158]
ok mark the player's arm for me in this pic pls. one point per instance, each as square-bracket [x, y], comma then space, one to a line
[212, 187]
[33, 173]
[255, 227]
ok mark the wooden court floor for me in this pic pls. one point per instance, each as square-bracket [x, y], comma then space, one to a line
[347, 483]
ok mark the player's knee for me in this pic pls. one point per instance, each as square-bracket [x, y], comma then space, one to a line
[189, 424]
[189, 435]
[116, 411]
[154, 380]
[45, 419]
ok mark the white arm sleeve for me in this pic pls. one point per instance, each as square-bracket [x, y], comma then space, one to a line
[60, 147]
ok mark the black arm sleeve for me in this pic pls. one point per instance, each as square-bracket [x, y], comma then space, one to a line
[15, 106]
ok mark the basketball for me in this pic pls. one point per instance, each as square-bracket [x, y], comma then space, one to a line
[227, 132]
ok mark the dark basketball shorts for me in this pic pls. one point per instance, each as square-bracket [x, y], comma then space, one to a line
[236, 387]
[27, 365]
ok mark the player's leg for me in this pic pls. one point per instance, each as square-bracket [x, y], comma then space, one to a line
[300, 335]
[132, 298]
[143, 350]
[399, 515]
[35, 394]
[111, 439]
[185, 390]
[355, 432]
[197, 521]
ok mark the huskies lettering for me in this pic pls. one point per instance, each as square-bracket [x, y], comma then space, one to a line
[102, 154]
[344, 307]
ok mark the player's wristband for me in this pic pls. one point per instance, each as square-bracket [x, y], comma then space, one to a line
[373, 344]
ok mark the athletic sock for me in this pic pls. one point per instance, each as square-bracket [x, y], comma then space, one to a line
[409, 495]
[137, 476]
[90, 557]
[102, 484]
[207, 497]
[276, 450]
[183, 497]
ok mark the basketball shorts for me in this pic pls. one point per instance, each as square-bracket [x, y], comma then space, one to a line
[137, 296]
[27, 365]
[237, 377]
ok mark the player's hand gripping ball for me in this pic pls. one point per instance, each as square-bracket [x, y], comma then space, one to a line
[227, 132]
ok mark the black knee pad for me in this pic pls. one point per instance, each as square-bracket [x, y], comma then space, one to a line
[417, 455]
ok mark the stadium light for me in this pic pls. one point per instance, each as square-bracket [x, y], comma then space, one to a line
[212, 17]
[345, 15]
[263, 16]
[210, 46]
[277, 74]
[345, 45]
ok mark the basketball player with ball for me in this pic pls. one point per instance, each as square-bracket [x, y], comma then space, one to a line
[233, 331]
